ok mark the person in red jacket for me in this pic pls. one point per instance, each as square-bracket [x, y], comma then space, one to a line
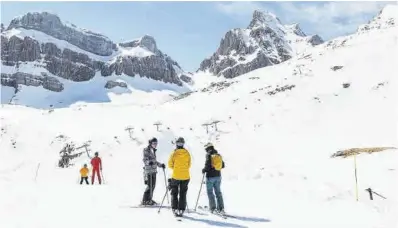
[97, 166]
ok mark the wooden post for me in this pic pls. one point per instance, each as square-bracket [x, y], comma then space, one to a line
[356, 176]
[370, 193]
[157, 125]
[207, 127]
[215, 124]
[129, 129]
[87, 149]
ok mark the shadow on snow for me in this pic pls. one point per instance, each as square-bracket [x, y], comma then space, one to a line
[214, 223]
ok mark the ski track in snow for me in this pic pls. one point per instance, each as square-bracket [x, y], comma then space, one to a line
[276, 147]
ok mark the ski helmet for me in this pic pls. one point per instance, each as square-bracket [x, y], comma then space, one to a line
[180, 140]
[96, 153]
[208, 145]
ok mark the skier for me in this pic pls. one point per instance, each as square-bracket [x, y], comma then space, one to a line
[213, 166]
[150, 171]
[96, 162]
[180, 163]
[84, 174]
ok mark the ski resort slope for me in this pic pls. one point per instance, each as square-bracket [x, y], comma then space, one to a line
[279, 127]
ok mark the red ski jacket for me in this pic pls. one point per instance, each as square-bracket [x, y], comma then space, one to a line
[96, 163]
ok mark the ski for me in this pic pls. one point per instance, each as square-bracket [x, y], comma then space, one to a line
[149, 206]
[219, 215]
[224, 216]
[144, 206]
[177, 217]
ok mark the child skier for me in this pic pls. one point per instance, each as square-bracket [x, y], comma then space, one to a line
[180, 163]
[84, 174]
[213, 166]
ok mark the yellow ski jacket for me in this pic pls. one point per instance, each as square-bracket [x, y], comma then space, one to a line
[180, 163]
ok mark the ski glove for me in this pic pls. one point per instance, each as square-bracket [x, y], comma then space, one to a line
[163, 166]
[150, 163]
[203, 170]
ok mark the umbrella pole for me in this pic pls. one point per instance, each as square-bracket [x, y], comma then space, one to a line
[356, 176]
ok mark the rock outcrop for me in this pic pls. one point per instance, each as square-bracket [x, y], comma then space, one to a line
[52, 25]
[113, 84]
[48, 82]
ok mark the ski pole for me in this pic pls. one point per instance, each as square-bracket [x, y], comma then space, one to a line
[37, 171]
[150, 185]
[165, 184]
[102, 175]
[200, 189]
[161, 204]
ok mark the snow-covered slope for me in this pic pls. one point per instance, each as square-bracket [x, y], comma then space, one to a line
[266, 41]
[386, 18]
[279, 127]
[39, 52]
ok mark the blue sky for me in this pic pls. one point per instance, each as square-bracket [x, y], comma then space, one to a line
[191, 31]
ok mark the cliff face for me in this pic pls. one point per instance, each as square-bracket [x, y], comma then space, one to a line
[53, 47]
[263, 43]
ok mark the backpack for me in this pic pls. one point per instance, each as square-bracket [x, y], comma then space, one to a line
[216, 162]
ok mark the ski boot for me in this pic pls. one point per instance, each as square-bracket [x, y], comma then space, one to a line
[152, 202]
[175, 213]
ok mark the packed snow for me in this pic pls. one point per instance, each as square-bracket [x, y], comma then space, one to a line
[136, 51]
[279, 127]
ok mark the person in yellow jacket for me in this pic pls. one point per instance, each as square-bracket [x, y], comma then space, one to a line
[84, 174]
[180, 163]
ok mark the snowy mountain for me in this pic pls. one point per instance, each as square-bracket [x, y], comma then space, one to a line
[277, 135]
[39, 50]
[386, 18]
[265, 42]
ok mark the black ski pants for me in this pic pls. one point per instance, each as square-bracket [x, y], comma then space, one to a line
[85, 179]
[151, 183]
[179, 187]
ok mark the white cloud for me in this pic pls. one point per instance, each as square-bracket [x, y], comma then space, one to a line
[331, 10]
[238, 8]
[331, 18]
[328, 19]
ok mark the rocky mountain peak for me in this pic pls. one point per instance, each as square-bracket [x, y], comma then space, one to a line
[147, 42]
[295, 28]
[266, 41]
[35, 20]
[52, 25]
[261, 18]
